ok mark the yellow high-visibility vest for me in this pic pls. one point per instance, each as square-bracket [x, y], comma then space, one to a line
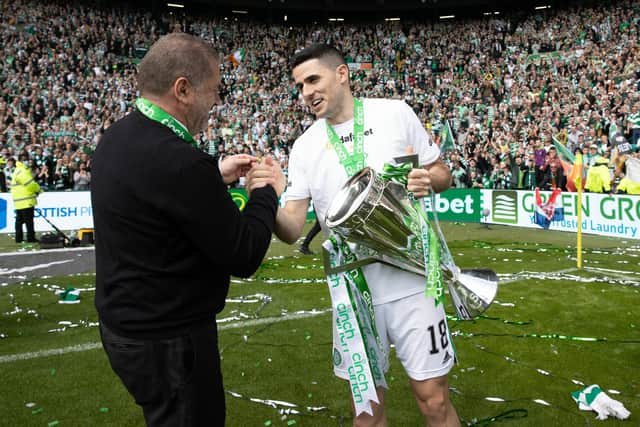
[24, 189]
[628, 186]
[598, 179]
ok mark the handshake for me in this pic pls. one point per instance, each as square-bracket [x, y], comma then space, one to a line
[257, 173]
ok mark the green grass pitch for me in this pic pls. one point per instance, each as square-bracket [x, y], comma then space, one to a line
[517, 365]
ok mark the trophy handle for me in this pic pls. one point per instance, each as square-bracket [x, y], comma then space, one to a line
[328, 270]
[471, 290]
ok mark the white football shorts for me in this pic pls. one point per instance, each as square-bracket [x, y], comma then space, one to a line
[418, 330]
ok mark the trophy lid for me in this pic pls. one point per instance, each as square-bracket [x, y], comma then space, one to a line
[349, 198]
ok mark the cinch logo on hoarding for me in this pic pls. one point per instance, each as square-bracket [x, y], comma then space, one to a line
[3, 214]
[504, 206]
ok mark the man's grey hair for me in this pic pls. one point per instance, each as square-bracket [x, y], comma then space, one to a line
[171, 57]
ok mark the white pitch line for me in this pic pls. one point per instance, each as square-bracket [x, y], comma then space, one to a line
[44, 251]
[566, 270]
[50, 352]
[94, 345]
[269, 320]
[5, 271]
[621, 274]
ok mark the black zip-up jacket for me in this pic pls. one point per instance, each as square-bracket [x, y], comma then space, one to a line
[167, 233]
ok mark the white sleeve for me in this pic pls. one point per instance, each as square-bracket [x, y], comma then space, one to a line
[417, 136]
[297, 182]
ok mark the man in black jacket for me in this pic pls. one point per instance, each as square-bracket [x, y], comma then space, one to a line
[168, 236]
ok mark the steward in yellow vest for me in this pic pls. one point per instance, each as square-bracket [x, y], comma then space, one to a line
[629, 187]
[598, 177]
[24, 191]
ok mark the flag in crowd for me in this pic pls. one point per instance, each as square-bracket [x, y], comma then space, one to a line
[447, 143]
[633, 169]
[237, 57]
[577, 173]
[490, 115]
[567, 159]
[613, 129]
[544, 213]
[563, 152]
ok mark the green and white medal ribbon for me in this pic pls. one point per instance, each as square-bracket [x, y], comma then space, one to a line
[157, 114]
[419, 224]
[359, 341]
[353, 162]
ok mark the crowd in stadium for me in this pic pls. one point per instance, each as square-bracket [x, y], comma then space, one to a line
[506, 86]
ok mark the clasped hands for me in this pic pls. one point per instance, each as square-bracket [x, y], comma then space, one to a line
[257, 173]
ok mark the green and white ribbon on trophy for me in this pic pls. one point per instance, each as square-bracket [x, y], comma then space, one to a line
[355, 323]
[419, 223]
[350, 295]
[385, 223]
[352, 303]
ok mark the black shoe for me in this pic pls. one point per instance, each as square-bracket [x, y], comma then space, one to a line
[305, 250]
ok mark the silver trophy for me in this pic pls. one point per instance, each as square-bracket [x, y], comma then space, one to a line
[376, 217]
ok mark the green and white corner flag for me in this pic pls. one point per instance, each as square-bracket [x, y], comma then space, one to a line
[592, 398]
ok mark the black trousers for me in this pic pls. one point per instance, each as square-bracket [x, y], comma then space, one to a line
[25, 216]
[176, 381]
[311, 234]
